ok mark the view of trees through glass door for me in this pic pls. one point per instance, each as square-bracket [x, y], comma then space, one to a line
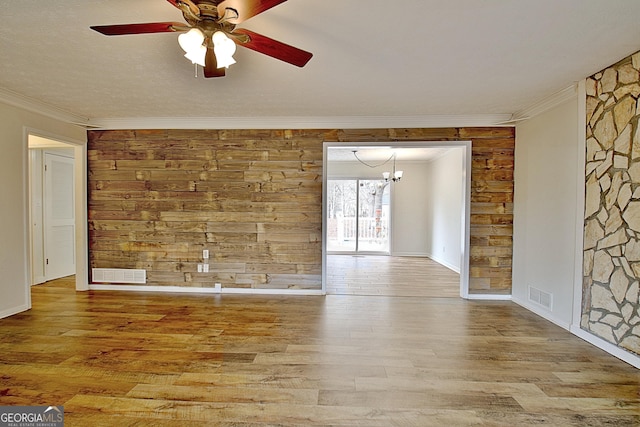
[358, 215]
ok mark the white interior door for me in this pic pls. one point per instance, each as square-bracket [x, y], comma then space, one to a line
[59, 216]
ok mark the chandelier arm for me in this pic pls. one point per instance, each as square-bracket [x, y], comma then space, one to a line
[355, 154]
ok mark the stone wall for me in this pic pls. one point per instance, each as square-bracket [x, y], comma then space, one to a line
[157, 198]
[612, 206]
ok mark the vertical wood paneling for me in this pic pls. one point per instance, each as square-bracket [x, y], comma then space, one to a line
[157, 198]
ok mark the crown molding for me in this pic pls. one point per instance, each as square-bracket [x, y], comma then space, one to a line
[293, 122]
[35, 106]
[546, 104]
[284, 122]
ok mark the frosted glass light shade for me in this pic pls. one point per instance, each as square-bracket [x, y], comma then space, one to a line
[224, 49]
[191, 40]
[197, 55]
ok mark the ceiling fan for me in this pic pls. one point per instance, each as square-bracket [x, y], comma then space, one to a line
[210, 34]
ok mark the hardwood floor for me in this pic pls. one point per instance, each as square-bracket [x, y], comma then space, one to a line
[142, 359]
[390, 276]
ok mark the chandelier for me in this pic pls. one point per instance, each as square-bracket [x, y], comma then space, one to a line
[395, 175]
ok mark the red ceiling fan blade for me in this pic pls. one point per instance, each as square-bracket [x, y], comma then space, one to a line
[211, 65]
[246, 8]
[273, 48]
[152, 27]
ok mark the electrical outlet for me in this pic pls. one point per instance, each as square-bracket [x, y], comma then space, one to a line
[205, 268]
[205, 253]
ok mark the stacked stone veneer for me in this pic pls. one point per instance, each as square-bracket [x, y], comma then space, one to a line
[612, 205]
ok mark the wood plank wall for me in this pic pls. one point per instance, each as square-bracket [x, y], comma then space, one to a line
[253, 198]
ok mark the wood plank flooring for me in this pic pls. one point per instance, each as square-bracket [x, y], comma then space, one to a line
[390, 276]
[142, 359]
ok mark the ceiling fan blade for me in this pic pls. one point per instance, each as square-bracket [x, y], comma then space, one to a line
[247, 8]
[152, 27]
[273, 48]
[211, 65]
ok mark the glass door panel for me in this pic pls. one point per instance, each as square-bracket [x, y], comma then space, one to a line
[342, 198]
[373, 216]
[368, 231]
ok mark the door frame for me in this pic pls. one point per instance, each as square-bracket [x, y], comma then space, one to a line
[80, 205]
[465, 183]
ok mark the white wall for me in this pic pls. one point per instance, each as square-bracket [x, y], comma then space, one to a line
[409, 210]
[14, 257]
[444, 189]
[545, 204]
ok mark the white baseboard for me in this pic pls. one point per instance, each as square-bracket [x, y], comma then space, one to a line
[411, 254]
[613, 350]
[434, 258]
[445, 263]
[488, 297]
[13, 310]
[542, 313]
[38, 280]
[188, 290]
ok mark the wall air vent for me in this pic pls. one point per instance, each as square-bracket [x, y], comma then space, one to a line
[540, 297]
[118, 275]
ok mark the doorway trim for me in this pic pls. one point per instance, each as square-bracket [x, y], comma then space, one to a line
[466, 198]
[80, 196]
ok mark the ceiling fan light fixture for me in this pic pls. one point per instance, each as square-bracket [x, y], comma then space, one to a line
[191, 40]
[224, 49]
[197, 55]
[205, 36]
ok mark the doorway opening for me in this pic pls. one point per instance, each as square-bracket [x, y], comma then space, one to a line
[427, 214]
[56, 209]
[51, 190]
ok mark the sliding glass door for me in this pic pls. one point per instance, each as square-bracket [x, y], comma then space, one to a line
[358, 216]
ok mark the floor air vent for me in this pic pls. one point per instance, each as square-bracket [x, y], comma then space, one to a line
[540, 297]
[118, 275]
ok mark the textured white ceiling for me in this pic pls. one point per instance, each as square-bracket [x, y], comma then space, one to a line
[372, 58]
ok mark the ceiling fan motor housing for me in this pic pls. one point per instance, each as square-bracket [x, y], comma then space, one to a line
[208, 19]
